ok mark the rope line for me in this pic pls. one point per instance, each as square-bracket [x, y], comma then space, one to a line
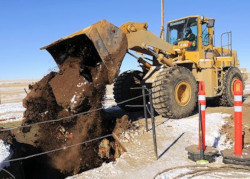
[60, 119]
[67, 117]
[55, 150]
[6, 171]
[196, 169]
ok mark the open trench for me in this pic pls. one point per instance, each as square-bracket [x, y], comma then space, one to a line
[78, 87]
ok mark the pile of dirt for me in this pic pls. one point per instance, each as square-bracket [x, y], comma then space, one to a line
[78, 87]
[228, 128]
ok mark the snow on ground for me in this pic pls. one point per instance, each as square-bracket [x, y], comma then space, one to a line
[17, 81]
[8, 113]
[11, 107]
[173, 136]
[247, 89]
[11, 112]
[247, 85]
[109, 101]
[12, 91]
[13, 98]
[5, 153]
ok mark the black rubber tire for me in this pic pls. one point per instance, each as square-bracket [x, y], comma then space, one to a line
[122, 91]
[163, 90]
[227, 97]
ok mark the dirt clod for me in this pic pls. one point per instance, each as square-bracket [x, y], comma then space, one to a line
[122, 124]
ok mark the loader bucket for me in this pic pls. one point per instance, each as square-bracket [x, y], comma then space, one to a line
[101, 41]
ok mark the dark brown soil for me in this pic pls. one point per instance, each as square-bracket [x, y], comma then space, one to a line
[228, 128]
[63, 94]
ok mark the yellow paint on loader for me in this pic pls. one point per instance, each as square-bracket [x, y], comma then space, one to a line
[207, 62]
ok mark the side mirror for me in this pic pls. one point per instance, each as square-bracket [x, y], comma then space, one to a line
[210, 23]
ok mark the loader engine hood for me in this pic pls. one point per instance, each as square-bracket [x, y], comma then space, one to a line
[102, 40]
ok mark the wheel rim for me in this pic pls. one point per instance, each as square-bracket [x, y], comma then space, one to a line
[183, 93]
[232, 85]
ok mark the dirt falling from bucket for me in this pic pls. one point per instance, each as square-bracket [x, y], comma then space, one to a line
[87, 61]
[76, 88]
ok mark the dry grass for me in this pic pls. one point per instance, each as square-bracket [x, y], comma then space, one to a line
[12, 91]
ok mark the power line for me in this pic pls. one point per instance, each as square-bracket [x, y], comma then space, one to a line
[67, 117]
[50, 121]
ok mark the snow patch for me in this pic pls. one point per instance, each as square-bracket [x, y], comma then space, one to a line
[173, 136]
[73, 99]
[79, 85]
[11, 107]
[109, 101]
[5, 153]
[109, 96]
[11, 112]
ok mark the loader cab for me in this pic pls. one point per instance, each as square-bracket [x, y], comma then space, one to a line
[195, 32]
[196, 55]
[183, 30]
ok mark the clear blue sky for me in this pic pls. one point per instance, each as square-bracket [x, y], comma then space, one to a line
[25, 26]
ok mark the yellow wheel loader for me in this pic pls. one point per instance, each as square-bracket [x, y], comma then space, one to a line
[172, 66]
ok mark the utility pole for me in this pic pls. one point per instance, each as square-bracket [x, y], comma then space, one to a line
[162, 20]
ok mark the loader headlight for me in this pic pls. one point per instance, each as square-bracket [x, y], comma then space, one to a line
[183, 44]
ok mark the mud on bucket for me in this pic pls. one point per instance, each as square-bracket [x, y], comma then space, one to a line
[103, 40]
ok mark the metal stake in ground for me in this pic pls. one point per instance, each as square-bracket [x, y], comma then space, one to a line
[201, 134]
[153, 123]
[25, 91]
[145, 107]
[202, 160]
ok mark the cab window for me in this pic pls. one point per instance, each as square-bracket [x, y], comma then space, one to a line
[193, 34]
[183, 30]
[173, 36]
[205, 35]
